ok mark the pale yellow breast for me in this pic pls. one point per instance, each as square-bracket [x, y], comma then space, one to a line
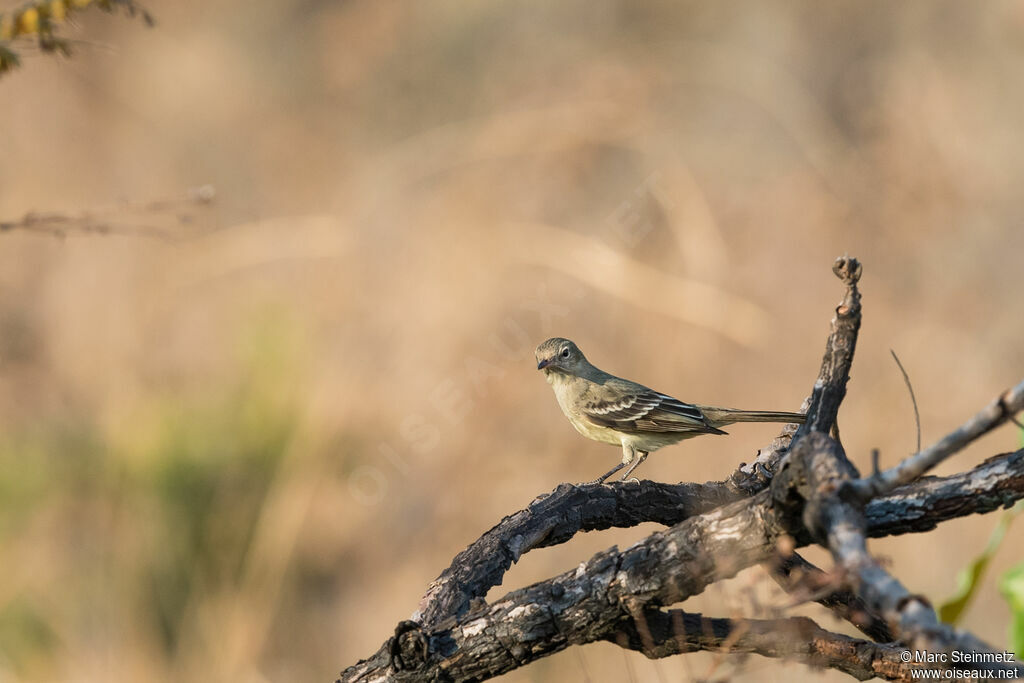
[565, 396]
[595, 432]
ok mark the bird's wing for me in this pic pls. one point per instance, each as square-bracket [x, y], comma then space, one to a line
[639, 410]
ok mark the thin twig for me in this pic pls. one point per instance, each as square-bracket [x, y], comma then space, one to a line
[117, 219]
[913, 399]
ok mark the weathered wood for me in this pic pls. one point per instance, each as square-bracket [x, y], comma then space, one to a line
[800, 490]
[659, 633]
[590, 602]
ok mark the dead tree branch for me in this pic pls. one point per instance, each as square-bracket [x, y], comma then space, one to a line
[806, 582]
[790, 497]
[591, 602]
[673, 632]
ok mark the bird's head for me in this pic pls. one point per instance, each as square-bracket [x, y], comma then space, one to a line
[560, 355]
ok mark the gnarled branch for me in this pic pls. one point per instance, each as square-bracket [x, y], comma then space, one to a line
[799, 491]
[658, 633]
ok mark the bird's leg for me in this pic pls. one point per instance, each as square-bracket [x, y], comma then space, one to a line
[607, 474]
[642, 455]
[628, 456]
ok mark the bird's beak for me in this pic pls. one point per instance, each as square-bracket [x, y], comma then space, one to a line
[543, 364]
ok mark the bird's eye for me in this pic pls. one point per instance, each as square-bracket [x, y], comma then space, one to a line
[565, 353]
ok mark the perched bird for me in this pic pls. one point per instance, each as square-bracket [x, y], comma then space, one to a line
[613, 410]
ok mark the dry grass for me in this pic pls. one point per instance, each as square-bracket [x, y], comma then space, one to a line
[243, 451]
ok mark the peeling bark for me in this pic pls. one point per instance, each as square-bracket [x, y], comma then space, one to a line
[800, 490]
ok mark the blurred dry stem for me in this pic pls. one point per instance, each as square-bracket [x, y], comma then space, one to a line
[121, 219]
[612, 271]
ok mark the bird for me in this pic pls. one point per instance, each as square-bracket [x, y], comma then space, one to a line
[616, 411]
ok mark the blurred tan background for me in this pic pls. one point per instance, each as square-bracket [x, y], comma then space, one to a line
[239, 447]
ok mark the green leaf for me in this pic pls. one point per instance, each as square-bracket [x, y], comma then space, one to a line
[1011, 585]
[969, 578]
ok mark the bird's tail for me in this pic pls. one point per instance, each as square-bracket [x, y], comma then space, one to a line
[719, 417]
